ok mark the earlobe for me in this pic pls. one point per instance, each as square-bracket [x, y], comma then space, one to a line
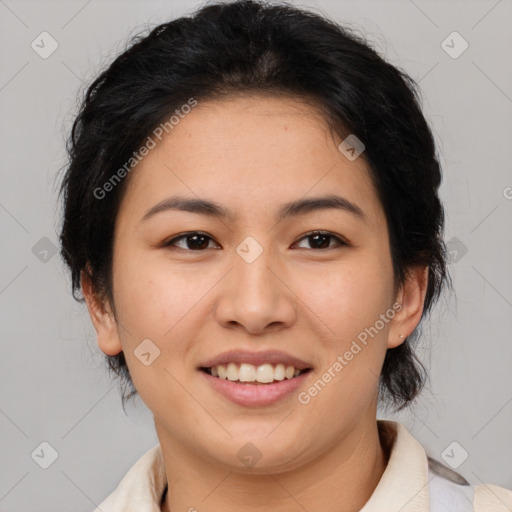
[411, 297]
[102, 318]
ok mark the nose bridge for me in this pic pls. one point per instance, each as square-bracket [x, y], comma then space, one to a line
[255, 297]
[254, 280]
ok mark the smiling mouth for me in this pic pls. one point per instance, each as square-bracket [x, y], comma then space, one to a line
[254, 375]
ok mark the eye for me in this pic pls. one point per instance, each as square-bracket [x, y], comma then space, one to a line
[321, 239]
[197, 241]
[193, 241]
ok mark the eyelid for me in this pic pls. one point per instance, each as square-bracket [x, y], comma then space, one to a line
[340, 240]
[169, 242]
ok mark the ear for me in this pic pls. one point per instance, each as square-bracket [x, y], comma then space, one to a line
[102, 318]
[411, 296]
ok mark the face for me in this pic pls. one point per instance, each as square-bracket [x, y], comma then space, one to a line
[191, 284]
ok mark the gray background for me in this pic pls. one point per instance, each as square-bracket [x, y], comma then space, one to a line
[54, 387]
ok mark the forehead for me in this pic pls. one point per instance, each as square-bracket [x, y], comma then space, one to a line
[251, 153]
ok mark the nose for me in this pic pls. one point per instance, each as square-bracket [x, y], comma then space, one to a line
[256, 296]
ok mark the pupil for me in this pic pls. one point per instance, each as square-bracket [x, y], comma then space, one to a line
[194, 245]
[321, 245]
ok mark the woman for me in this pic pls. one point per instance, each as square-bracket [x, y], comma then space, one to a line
[251, 211]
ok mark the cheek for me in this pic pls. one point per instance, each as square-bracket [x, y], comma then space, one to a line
[156, 301]
[151, 294]
[347, 296]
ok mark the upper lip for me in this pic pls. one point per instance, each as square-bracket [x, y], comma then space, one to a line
[256, 359]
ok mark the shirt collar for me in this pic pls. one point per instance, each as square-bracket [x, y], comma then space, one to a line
[403, 486]
[142, 487]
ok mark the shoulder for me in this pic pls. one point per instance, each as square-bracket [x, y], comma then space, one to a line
[450, 492]
[493, 498]
[141, 488]
[419, 483]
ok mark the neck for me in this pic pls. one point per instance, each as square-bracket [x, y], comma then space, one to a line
[346, 474]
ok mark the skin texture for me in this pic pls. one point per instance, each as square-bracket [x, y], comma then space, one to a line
[251, 154]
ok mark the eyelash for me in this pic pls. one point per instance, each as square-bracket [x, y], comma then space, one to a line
[340, 242]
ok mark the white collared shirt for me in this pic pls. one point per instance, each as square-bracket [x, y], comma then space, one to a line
[411, 482]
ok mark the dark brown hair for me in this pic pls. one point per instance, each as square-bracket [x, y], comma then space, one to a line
[251, 46]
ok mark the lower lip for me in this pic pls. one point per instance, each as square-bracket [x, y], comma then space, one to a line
[254, 395]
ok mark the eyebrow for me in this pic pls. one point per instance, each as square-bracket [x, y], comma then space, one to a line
[292, 209]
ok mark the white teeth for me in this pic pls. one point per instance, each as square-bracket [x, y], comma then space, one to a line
[290, 371]
[279, 372]
[221, 370]
[247, 373]
[232, 372]
[263, 374]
